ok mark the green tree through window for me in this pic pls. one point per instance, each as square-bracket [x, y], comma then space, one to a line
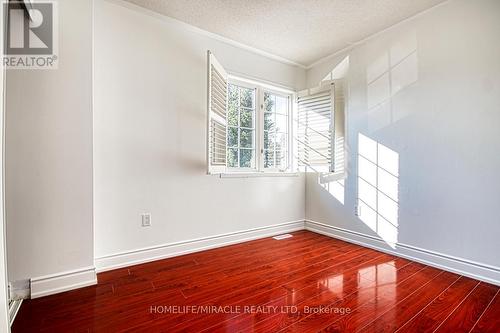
[241, 127]
[276, 112]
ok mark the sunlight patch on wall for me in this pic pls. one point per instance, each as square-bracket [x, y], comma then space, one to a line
[378, 182]
[335, 188]
[388, 74]
[339, 71]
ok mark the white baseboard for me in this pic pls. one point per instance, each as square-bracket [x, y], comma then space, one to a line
[64, 281]
[475, 270]
[140, 256]
[52, 284]
[19, 289]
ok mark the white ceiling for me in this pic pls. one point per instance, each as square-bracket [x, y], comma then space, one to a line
[302, 31]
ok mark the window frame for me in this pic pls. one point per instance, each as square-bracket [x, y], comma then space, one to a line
[260, 89]
[255, 121]
[288, 132]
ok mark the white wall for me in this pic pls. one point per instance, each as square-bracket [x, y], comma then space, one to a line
[429, 90]
[438, 111]
[49, 156]
[149, 136]
[4, 317]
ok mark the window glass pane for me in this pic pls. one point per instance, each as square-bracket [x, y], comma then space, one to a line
[233, 94]
[281, 159]
[247, 158]
[282, 105]
[269, 121]
[281, 141]
[268, 102]
[276, 123]
[246, 118]
[281, 123]
[232, 137]
[246, 138]
[241, 125]
[269, 138]
[232, 115]
[266, 96]
[247, 97]
[268, 159]
[232, 157]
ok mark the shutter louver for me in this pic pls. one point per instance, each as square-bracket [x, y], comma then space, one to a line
[314, 132]
[321, 128]
[217, 118]
[339, 135]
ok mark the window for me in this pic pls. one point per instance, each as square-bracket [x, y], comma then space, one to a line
[241, 127]
[258, 130]
[249, 126]
[276, 131]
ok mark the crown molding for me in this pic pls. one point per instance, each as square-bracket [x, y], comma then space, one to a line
[374, 35]
[206, 33]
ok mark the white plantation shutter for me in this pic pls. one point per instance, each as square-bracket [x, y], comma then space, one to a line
[321, 127]
[339, 127]
[217, 116]
[314, 135]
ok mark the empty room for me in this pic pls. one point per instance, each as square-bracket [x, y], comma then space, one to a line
[250, 166]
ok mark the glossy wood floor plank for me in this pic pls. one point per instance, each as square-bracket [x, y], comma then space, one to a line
[307, 271]
[412, 305]
[467, 314]
[264, 289]
[429, 319]
[490, 319]
[294, 298]
[330, 294]
[388, 289]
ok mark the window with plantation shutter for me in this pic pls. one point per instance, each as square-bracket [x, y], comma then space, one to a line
[321, 128]
[217, 116]
[249, 125]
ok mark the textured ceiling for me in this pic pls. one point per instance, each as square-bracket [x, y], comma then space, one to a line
[302, 31]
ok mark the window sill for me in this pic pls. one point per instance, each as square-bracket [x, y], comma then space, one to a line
[258, 174]
[332, 177]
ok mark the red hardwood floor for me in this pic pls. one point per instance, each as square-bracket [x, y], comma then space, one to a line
[307, 283]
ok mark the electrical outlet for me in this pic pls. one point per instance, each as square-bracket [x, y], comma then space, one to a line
[146, 219]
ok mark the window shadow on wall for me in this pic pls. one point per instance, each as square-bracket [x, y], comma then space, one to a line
[378, 183]
[391, 72]
[374, 193]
